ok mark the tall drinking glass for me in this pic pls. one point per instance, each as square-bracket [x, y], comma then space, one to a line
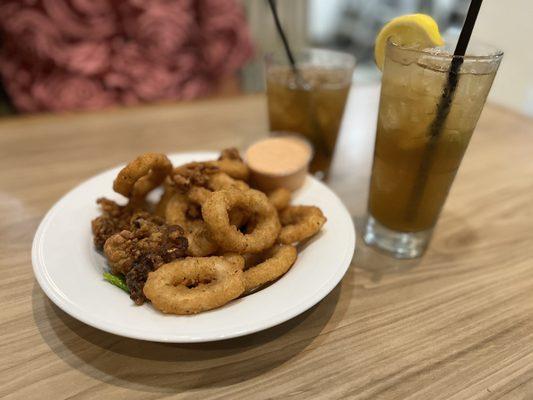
[414, 170]
[311, 105]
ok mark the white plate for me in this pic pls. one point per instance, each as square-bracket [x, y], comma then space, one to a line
[69, 270]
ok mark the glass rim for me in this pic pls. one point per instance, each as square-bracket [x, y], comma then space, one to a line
[279, 54]
[494, 56]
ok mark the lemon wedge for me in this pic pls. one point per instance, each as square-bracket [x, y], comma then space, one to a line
[413, 30]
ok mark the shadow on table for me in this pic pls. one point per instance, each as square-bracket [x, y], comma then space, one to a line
[375, 262]
[163, 367]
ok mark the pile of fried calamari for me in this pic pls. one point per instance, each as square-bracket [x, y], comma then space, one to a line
[210, 238]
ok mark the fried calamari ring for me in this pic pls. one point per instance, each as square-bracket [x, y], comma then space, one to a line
[201, 243]
[252, 259]
[193, 285]
[217, 181]
[239, 217]
[161, 206]
[215, 212]
[278, 261]
[236, 259]
[300, 223]
[198, 194]
[142, 175]
[176, 210]
[280, 198]
[220, 181]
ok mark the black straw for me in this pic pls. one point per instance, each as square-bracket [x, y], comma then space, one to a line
[443, 108]
[281, 33]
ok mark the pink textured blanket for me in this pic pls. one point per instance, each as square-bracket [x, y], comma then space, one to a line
[87, 54]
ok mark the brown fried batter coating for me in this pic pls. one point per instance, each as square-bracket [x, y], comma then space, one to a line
[230, 153]
[223, 173]
[221, 180]
[201, 242]
[187, 214]
[114, 219]
[192, 174]
[136, 278]
[299, 223]
[207, 208]
[194, 211]
[194, 284]
[119, 250]
[147, 244]
[272, 264]
[232, 164]
[198, 195]
[280, 198]
[142, 175]
[266, 228]
[176, 211]
[168, 192]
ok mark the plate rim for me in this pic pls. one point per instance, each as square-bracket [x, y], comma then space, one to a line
[54, 293]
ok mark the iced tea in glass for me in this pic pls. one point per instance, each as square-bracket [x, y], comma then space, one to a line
[311, 104]
[412, 171]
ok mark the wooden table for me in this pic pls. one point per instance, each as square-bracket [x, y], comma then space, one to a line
[456, 324]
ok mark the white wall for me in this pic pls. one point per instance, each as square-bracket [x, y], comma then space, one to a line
[509, 26]
[324, 18]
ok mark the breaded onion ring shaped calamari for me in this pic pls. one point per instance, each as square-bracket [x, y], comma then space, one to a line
[215, 212]
[193, 285]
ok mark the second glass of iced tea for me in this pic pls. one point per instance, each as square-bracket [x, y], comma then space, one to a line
[311, 104]
[413, 170]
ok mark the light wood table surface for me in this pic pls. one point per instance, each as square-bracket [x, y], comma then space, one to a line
[456, 324]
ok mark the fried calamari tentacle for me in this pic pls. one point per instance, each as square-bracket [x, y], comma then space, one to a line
[142, 175]
[136, 279]
[161, 247]
[215, 211]
[300, 223]
[232, 164]
[147, 237]
[280, 198]
[193, 285]
[235, 169]
[192, 174]
[222, 180]
[231, 153]
[277, 261]
[120, 250]
[114, 218]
